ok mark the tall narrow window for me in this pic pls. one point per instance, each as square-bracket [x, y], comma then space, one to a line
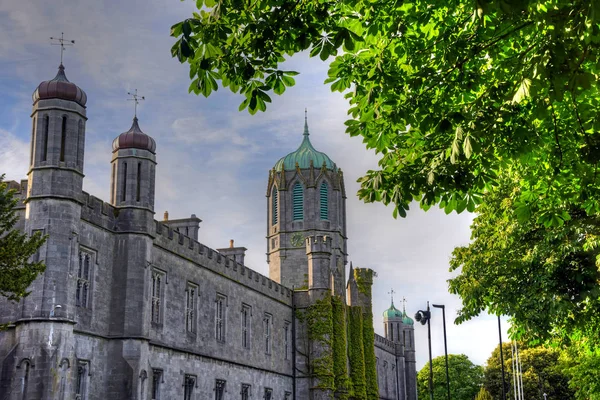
[220, 304]
[24, 365]
[391, 332]
[45, 138]
[274, 207]
[246, 312]
[287, 396]
[220, 389]
[79, 137]
[113, 183]
[124, 188]
[83, 280]
[32, 141]
[324, 201]
[268, 394]
[138, 182]
[190, 308]
[298, 202]
[156, 382]
[81, 383]
[385, 376]
[268, 320]
[63, 138]
[189, 382]
[245, 391]
[286, 340]
[157, 289]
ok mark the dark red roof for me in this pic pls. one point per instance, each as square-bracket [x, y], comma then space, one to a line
[134, 138]
[60, 88]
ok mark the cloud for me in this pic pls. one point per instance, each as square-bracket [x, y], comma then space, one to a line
[14, 156]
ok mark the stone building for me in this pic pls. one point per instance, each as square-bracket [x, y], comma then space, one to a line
[134, 308]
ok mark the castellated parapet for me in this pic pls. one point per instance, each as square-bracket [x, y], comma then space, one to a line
[318, 250]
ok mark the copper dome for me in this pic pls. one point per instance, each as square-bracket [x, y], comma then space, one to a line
[134, 138]
[60, 88]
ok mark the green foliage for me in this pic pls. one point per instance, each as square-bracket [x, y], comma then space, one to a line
[465, 378]
[364, 280]
[340, 359]
[582, 365]
[544, 276]
[541, 368]
[370, 364]
[16, 272]
[356, 353]
[450, 93]
[483, 395]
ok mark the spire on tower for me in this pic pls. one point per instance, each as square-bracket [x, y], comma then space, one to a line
[136, 99]
[306, 122]
[62, 42]
[391, 293]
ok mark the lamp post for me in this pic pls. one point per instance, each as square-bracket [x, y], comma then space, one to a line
[423, 317]
[501, 360]
[443, 307]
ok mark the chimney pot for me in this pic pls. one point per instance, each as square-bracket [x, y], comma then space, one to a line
[166, 216]
[231, 243]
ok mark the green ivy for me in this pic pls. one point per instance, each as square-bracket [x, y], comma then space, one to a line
[370, 366]
[364, 280]
[340, 368]
[356, 353]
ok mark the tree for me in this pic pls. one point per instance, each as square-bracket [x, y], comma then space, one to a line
[465, 378]
[484, 395]
[16, 272]
[450, 92]
[542, 373]
[545, 277]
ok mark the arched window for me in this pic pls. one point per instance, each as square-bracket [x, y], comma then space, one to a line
[274, 207]
[324, 201]
[298, 202]
[138, 182]
[45, 139]
[63, 138]
[391, 337]
[124, 190]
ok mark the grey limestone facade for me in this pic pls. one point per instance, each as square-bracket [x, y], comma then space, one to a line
[134, 308]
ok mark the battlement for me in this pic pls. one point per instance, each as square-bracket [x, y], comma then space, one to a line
[318, 244]
[364, 276]
[385, 344]
[183, 246]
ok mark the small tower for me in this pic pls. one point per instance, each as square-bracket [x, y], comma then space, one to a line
[410, 364]
[305, 198]
[392, 324]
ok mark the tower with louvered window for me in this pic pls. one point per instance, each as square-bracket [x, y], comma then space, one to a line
[306, 197]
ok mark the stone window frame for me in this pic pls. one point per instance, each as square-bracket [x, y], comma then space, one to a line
[385, 377]
[287, 395]
[220, 389]
[84, 282]
[158, 282]
[274, 205]
[82, 379]
[268, 394]
[246, 331]
[157, 381]
[286, 339]
[268, 332]
[298, 200]
[191, 310]
[221, 317]
[190, 382]
[246, 391]
[324, 198]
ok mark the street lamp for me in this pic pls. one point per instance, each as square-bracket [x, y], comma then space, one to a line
[501, 360]
[445, 345]
[423, 317]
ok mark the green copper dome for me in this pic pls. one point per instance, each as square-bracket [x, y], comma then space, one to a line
[392, 312]
[303, 156]
[406, 320]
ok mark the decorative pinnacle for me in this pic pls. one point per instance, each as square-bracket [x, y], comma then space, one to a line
[62, 42]
[306, 122]
[391, 293]
[404, 305]
[136, 99]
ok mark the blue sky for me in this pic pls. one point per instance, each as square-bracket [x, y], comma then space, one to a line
[213, 161]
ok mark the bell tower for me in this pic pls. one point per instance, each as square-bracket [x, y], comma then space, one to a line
[305, 198]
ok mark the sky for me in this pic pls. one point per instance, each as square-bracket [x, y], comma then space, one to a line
[213, 160]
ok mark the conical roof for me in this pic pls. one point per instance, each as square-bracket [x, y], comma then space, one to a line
[60, 88]
[304, 155]
[392, 312]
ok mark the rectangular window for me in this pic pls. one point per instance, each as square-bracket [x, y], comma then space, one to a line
[83, 280]
[81, 383]
[189, 382]
[245, 391]
[268, 394]
[190, 308]
[138, 182]
[157, 296]
[220, 389]
[246, 314]
[45, 138]
[156, 383]
[113, 197]
[286, 341]
[220, 304]
[124, 189]
[268, 321]
[63, 138]
[32, 141]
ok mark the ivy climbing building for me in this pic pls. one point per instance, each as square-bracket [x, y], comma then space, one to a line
[131, 307]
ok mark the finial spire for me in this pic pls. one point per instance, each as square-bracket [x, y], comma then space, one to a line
[305, 122]
[62, 42]
[391, 293]
[136, 99]
[404, 305]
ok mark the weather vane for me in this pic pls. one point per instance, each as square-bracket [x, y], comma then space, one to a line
[391, 293]
[136, 99]
[62, 42]
[404, 304]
